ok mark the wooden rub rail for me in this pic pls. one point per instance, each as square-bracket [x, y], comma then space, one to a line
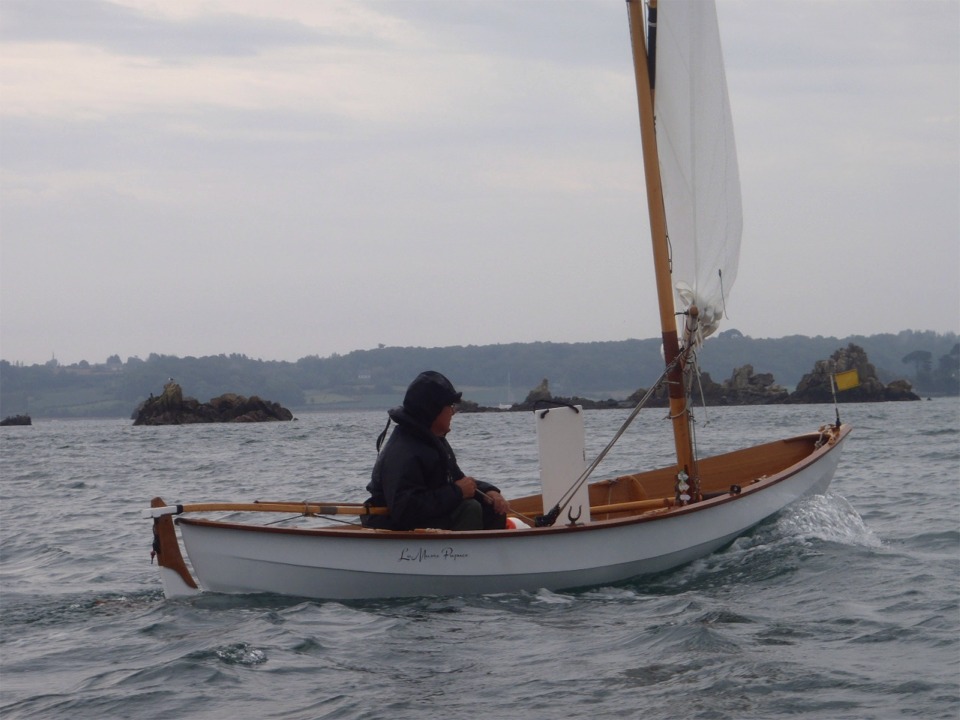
[318, 508]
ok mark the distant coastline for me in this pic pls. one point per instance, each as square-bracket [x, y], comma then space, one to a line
[490, 375]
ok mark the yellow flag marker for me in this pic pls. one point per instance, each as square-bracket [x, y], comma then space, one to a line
[847, 379]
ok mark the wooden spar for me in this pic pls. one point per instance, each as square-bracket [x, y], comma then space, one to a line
[304, 508]
[661, 251]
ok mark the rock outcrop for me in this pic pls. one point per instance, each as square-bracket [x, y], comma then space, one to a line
[16, 420]
[172, 408]
[541, 397]
[744, 387]
[815, 387]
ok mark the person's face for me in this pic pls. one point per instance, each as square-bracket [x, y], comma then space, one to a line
[441, 425]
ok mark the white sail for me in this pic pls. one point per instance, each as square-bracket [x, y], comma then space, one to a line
[698, 159]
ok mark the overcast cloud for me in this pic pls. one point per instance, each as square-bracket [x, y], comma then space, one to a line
[301, 178]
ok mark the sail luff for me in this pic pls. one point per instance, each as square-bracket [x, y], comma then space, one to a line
[698, 161]
[661, 251]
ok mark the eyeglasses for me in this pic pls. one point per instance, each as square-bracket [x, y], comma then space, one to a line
[455, 407]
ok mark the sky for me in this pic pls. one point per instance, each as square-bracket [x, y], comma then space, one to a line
[309, 177]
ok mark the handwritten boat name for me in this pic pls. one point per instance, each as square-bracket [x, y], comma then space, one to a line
[423, 554]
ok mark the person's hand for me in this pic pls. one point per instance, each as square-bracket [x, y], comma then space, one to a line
[500, 505]
[468, 486]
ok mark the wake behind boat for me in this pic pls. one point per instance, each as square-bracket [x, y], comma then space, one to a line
[575, 533]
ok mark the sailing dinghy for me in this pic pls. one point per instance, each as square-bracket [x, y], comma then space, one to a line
[577, 532]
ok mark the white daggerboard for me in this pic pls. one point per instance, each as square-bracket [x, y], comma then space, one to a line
[562, 444]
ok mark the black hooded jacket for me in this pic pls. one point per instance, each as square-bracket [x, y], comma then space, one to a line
[414, 476]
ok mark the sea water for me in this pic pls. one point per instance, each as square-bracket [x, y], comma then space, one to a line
[842, 606]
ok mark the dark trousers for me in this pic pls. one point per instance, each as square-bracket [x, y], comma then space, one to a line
[473, 515]
[468, 515]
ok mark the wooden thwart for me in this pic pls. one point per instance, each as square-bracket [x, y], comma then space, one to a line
[635, 505]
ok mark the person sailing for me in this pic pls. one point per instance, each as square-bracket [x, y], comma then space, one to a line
[416, 475]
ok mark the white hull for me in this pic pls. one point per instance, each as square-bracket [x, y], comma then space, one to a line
[360, 564]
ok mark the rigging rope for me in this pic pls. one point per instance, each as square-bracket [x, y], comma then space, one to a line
[723, 294]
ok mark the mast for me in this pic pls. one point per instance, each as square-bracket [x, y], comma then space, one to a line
[679, 413]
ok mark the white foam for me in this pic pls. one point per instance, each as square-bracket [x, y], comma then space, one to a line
[830, 518]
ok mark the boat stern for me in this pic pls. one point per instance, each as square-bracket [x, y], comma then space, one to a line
[174, 575]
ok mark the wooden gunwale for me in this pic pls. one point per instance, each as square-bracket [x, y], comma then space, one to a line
[757, 485]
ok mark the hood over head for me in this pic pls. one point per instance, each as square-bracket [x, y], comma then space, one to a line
[427, 395]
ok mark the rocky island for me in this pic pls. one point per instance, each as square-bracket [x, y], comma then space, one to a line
[815, 386]
[744, 387]
[172, 408]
